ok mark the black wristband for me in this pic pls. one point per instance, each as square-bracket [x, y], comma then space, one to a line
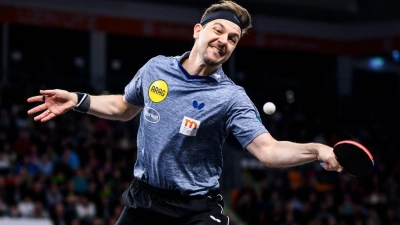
[83, 102]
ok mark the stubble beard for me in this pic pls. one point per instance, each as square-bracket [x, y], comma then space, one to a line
[210, 62]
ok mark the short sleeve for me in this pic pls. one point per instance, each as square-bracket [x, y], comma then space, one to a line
[244, 119]
[134, 90]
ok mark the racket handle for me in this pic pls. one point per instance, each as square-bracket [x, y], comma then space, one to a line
[321, 164]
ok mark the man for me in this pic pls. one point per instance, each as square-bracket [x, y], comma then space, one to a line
[188, 106]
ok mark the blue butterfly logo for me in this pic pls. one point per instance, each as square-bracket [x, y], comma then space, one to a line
[198, 106]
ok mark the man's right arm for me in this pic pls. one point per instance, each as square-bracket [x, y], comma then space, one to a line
[56, 102]
[113, 107]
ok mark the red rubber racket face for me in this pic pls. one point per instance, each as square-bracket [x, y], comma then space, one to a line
[355, 159]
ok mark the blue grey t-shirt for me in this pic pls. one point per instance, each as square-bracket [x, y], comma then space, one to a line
[184, 124]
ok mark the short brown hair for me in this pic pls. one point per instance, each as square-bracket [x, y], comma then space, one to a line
[241, 13]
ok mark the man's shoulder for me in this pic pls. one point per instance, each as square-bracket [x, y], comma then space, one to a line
[231, 89]
[161, 58]
[232, 85]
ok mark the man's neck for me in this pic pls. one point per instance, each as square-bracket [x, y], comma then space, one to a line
[194, 66]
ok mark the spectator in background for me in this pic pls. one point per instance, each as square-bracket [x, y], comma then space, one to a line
[13, 211]
[40, 211]
[93, 159]
[44, 165]
[52, 154]
[4, 118]
[22, 145]
[104, 208]
[26, 207]
[70, 158]
[27, 165]
[9, 153]
[34, 154]
[59, 178]
[85, 210]
[97, 221]
[18, 187]
[70, 203]
[5, 163]
[93, 191]
[3, 206]
[53, 196]
[59, 216]
[81, 182]
[37, 192]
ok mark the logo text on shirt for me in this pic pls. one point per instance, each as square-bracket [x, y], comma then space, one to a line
[151, 115]
[158, 91]
[189, 126]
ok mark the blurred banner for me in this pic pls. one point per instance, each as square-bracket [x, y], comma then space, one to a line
[337, 5]
[345, 39]
[24, 221]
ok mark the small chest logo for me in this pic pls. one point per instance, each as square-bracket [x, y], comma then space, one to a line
[197, 105]
[189, 126]
[158, 91]
[151, 115]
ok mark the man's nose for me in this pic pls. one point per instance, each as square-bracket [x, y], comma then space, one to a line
[223, 39]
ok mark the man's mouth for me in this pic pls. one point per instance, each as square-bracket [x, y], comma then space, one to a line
[218, 50]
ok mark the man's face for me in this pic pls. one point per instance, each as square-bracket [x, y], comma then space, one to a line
[216, 40]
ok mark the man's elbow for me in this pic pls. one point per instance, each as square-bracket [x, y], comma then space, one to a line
[126, 118]
[267, 158]
[125, 115]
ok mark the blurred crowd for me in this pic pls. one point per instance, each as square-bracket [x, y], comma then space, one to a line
[309, 195]
[74, 169]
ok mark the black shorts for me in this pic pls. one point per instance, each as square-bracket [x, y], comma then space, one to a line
[146, 205]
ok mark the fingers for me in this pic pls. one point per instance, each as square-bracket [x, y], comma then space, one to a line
[38, 98]
[42, 97]
[38, 108]
[47, 92]
[40, 116]
[48, 116]
[45, 116]
[333, 166]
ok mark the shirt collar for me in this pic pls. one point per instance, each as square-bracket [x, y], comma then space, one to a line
[218, 74]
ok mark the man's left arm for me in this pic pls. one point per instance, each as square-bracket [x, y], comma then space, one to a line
[275, 153]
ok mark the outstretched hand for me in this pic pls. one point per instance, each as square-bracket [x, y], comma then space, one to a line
[328, 159]
[54, 102]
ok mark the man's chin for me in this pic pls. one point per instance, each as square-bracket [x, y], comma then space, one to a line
[212, 62]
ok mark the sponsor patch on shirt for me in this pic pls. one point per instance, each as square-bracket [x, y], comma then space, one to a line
[189, 126]
[151, 115]
[198, 105]
[158, 91]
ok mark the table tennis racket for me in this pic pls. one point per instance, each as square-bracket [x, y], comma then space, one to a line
[355, 159]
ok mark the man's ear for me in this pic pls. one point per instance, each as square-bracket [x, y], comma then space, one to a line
[196, 30]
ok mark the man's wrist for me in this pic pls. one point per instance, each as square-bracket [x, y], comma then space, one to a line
[83, 103]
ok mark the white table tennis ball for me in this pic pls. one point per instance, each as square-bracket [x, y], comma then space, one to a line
[269, 108]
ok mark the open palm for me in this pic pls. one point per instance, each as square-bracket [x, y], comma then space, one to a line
[56, 102]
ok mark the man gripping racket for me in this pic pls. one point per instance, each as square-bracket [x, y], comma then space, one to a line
[187, 106]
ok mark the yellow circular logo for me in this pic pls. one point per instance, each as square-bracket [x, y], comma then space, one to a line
[158, 91]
